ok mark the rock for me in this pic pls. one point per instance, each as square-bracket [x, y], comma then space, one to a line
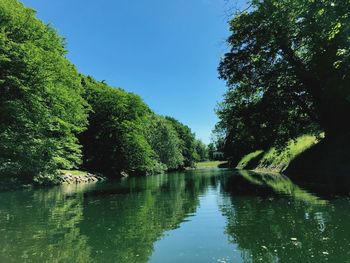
[68, 178]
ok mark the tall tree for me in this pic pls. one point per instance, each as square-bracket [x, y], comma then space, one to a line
[41, 108]
[287, 70]
[187, 139]
[115, 140]
[165, 142]
[202, 153]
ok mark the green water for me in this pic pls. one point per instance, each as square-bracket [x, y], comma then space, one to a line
[194, 216]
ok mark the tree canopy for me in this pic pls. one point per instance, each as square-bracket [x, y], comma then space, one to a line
[115, 141]
[41, 108]
[124, 135]
[164, 140]
[187, 141]
[287, 71]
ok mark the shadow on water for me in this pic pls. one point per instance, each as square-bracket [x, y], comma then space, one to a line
[273, 220]
[324, 167]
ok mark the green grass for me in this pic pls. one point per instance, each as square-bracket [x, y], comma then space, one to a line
[74, 172]
[210, 164]
[248, 158]
[275, 160]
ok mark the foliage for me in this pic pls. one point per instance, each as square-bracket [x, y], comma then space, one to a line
[288, 73]
[201, 151]
[124, 135]
[48, 112]
[41, 108]
[187, 139]
[115, 141]
[165, 142]
[211, 149]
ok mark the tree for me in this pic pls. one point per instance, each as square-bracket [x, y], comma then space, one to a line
[41, 108]
[165, 142]
[201, 151]
[287, 72]
[115, 140]
[211, 150]
[124, 135]
[187, 139]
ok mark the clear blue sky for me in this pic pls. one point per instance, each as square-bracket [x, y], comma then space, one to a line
[166, 51]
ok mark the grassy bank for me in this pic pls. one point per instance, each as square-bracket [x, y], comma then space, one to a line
[74, 172]
[211, 164]
[274, 160]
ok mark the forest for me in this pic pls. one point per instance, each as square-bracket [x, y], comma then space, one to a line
[288, 78]
[53, 117]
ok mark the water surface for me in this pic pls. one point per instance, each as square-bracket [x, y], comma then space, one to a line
[194, 216]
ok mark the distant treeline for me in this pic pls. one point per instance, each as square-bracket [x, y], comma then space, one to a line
[288, 74]
[54, 118]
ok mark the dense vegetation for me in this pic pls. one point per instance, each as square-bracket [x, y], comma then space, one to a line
[124, 135]
[54, 118]
[41, 108]
[287, 72]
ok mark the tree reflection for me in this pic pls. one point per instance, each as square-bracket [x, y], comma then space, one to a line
[268, 218]
[284, 223]
[116, 222]
[136, 220]
[42, 225]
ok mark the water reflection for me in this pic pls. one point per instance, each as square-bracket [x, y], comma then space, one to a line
[42, 225]
[116, 222]
[284, 223]
[270, 184]
[132, 222]
[266, 219]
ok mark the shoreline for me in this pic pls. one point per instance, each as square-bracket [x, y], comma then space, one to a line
[78, 177]
[65, 177]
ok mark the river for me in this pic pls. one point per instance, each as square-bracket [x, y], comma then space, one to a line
[201, 216]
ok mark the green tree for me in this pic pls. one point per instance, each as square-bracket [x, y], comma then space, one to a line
[201, 151]
[165, 142]
[187, 139]
[115, 140]
[41, 108]
[287, 72]
[124, 135]
[211, 150]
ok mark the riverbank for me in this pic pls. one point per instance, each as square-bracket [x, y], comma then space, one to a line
[307, 157]
[64, 177]
[277, 160]
[77, 177]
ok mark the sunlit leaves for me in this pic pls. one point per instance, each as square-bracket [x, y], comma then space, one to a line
[287, 70]
[41, 107]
